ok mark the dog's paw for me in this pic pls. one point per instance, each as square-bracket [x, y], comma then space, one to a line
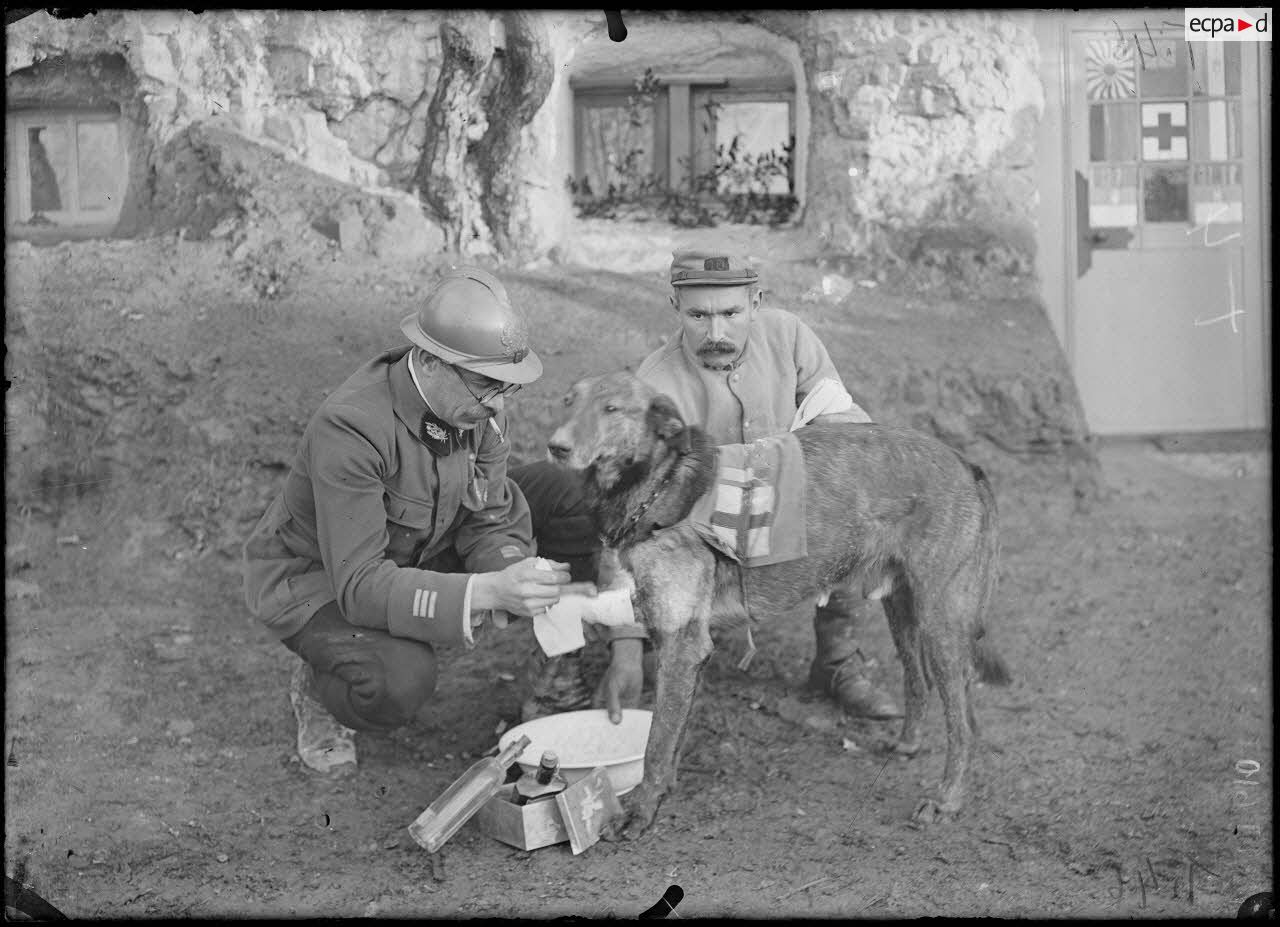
[926, 813]
[626, 827]
[637, 815]
[930, 811]
[629, 826]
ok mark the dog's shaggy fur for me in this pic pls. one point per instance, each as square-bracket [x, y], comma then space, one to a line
[891, 513]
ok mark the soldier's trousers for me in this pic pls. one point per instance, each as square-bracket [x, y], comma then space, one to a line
[370, 679]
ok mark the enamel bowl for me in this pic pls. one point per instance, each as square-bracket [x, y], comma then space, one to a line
[584, 740]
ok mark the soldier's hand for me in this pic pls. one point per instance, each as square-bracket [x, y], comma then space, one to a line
[623, 681]
[524, 588]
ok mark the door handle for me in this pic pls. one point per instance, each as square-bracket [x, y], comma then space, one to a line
[1085, 237]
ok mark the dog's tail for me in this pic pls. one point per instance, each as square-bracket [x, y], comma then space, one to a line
[990, 665]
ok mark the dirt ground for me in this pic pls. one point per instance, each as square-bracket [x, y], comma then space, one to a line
[150, 770]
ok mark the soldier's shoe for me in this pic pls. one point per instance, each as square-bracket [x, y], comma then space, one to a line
[847, 683]
[556, 685]
[324, 744]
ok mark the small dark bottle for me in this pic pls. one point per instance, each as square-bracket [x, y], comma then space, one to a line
[543, 782]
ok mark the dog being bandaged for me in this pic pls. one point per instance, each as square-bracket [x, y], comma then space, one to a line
[890, 509]
[754, 515]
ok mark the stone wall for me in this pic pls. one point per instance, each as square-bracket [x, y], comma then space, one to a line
[919, 122]
[341, 91]
[923, 122]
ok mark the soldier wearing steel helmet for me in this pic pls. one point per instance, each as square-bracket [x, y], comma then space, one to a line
[399, 529]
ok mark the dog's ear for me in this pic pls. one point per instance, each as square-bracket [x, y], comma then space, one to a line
[664, 421]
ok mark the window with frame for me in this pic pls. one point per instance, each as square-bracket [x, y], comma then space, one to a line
[619, 138]
[65, 169]
[745, 138]
[707, 138]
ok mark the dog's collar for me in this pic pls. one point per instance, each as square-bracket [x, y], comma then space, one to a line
[630, 522]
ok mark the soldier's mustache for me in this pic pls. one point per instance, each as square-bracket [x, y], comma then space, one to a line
[710, 348]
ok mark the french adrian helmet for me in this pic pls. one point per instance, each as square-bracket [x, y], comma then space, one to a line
[467, 320]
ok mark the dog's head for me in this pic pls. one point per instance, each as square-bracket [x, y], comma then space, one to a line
[617, 428]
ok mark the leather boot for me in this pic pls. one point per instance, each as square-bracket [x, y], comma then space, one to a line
[839, 669]
[324, 743]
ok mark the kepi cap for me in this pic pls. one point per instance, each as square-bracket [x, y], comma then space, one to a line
[710, 268]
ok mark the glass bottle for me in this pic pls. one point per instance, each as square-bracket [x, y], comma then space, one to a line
[460, 801]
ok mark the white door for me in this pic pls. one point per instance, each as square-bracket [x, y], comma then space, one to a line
[1168, 324]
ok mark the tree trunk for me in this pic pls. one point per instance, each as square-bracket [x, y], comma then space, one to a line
[482, 103]
[445, 178]
[523, 80]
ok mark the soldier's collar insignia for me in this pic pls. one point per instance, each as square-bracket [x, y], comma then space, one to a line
[435, 434]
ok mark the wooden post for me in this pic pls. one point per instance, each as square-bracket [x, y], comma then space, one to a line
[679, 126]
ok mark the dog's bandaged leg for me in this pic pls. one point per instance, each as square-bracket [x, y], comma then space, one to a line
[559, 629]
[611, 607]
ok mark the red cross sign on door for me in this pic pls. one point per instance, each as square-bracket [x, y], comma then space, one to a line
[1164, 131]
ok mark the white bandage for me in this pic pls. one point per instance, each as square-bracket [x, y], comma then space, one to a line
[611, 608]
[558, 629]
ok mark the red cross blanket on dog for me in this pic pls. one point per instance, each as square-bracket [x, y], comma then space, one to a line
[755, 511]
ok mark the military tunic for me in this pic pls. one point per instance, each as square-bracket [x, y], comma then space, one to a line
[379, 488]
[783, 360]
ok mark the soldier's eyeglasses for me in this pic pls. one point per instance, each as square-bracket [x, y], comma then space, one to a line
[491, 393]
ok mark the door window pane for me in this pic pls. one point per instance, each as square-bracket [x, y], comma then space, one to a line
[1232, 74]
[1215, 130]
[1113, 132]
[1162, 66]
[1215, 68]
[1113, 196]
[1110, 72]
[1164, 194]
[1217, 197]
[49, 167]
[1164, 131]
[100, 163]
